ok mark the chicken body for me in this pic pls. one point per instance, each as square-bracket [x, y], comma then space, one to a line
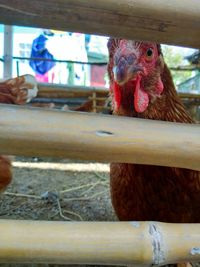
[18, 91]
[5, 172]
[141, 86]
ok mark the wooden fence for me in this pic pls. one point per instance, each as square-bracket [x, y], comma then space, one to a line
[171, 22]
[30, 132]
[38, 132]
[115, 243]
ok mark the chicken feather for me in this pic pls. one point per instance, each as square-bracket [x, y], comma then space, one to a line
[143, 192]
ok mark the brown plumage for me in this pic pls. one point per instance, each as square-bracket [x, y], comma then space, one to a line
[14, 91]
[19, 90]
[143, 192]
[89, 107]
[5, 172]
[85, 107]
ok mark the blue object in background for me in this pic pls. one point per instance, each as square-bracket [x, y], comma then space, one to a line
[39, 50]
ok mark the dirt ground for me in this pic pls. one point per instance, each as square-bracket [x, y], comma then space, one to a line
[53, 189]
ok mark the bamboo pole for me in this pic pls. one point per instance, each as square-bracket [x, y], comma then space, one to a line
[98, 242]
[97, 98]
[64, 91]
[94, 102]
[75, 100]
[189, 95]
[156, 20]
[38, 132]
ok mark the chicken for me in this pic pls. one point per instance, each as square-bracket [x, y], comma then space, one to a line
[85, 107]
[19, 90]
[14, 91]
[5, 172]
[141, 86]
[104, 106]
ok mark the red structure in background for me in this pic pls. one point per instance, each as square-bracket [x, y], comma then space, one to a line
[97, 75]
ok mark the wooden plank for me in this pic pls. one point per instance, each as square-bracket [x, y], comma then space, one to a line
[65, 91]
[7, 53]
[38, 132]
[121, 243]
[61, 101]
[171, 22]
[97, 98]
[189, 95]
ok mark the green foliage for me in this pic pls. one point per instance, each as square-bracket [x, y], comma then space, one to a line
[174, 58]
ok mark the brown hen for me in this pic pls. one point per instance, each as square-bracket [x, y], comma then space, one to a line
[18, 91]
[141, 86]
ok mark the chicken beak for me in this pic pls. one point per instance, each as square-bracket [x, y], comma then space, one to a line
[126, 69]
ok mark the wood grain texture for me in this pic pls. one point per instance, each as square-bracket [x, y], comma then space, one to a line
[189, 96]
[64, 91]
[37, 132]
[120, 243]
[171, 22]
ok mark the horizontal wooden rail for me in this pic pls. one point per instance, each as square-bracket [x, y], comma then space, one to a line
[156, 20]
[61, 101]
[98, 242]
[189, 96]
[38, 132]
[65, 91]
[97, 98]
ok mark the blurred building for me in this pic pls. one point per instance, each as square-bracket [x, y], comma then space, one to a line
[66, 49]
[192, 85]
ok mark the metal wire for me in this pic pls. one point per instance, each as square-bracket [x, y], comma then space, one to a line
[60, 61]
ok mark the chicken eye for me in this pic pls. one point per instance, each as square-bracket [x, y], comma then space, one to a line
[149, 53]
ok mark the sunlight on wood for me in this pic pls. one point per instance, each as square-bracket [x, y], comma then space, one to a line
[78, 167]
[75, 135]
[98, 242]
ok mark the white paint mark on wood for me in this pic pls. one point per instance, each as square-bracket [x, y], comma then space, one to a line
[104, 133]
[157, 243]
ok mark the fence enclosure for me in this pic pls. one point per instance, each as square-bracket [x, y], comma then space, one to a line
[26, 131]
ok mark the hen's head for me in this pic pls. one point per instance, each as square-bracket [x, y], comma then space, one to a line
[135, 67]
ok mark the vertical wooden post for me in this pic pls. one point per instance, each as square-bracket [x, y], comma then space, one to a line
[94, 102]
[8, 51]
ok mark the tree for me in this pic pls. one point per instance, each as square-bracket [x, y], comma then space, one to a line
[174, 57]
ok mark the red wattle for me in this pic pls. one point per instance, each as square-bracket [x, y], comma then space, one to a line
[141, 98]
[117, 95]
